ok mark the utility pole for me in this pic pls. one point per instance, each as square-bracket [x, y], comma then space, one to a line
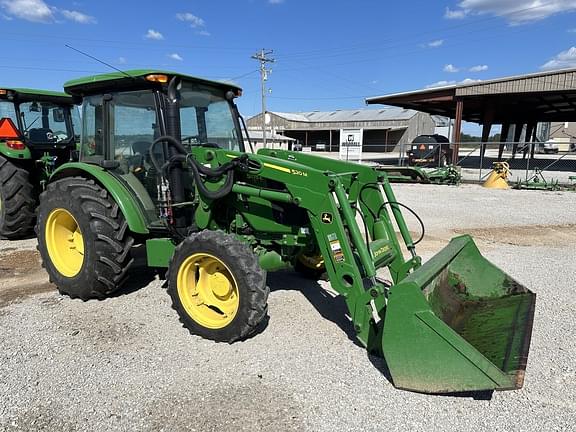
[263, 58]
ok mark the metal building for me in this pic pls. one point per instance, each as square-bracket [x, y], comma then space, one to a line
[383, 129]
[518, 103]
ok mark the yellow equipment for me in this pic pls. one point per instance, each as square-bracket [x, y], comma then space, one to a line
[498, 178]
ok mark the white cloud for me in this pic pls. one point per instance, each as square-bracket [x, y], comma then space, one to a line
[445, 83]
[121, 60]
[78, 17]
[203, 33]
[175, 56]
[436, 43]
[565, 59]
[29, 10]
[572, 30]
[515, 11]
[154, 35]
[454, 14]
[451, 68]
[41, 12]
[275, 1]
[470, 81]
[478, 68]
[195, 21]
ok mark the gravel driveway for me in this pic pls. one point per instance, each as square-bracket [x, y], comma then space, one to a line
[126, 363]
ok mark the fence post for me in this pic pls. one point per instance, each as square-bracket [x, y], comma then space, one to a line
[528, 159]
[481, 160]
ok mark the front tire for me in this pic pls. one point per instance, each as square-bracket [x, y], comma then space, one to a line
[83, 239]
[17, 201]
[218, 287]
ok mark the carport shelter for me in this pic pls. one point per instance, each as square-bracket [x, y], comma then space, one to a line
[518, 100]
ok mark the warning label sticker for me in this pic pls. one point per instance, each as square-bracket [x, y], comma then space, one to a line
[336, 248]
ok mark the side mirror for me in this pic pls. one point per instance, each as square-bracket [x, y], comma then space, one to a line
[58, 115]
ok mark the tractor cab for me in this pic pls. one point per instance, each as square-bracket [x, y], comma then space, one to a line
[33, 122]
[123, 113]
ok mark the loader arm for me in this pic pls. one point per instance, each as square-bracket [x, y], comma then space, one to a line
[458, 323]
[332, 202]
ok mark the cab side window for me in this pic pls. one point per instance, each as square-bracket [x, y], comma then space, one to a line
[134, 128]
[92, 139]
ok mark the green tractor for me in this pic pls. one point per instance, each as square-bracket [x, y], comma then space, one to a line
[163, 164]
[36, 136]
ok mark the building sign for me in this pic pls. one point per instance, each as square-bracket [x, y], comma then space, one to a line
[351, 144]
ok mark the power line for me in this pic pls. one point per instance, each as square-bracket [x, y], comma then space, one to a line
[263, 59]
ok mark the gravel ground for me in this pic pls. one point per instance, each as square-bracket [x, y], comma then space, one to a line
[126, 363]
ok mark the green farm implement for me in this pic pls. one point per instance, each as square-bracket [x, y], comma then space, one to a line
[36, 136]
[448, 175]
[163, 164]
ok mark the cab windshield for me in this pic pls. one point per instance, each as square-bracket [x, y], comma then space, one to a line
[45, 122]
[207, 117]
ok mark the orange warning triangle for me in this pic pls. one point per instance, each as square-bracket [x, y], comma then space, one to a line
[8, 129]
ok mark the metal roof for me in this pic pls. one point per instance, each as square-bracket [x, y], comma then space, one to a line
[28, 94]
[545, 81]
[256, 134]
[542, 96]
[342, 116]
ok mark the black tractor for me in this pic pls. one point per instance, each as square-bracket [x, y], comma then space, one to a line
[430, 151]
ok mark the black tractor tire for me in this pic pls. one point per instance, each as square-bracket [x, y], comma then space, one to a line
[17, 202]
[107, 239]
[250, 278]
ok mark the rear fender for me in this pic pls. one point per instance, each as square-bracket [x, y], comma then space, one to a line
[128, 204]
[10, 153]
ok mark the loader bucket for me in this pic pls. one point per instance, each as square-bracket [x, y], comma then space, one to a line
[458, 324]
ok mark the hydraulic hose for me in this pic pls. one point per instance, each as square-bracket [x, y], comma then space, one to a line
[197, 168]
[171, 141]
[196, 171]
[411, 211]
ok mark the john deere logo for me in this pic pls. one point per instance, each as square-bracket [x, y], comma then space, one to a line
[327, 218]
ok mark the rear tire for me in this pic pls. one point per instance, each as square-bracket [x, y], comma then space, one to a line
[78, 220]
[218, 287]
[17, 201]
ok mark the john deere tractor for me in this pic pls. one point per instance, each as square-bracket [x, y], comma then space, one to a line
[163, 164]
[36, 136]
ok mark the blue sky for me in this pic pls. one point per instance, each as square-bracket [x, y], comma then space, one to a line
[329, 54]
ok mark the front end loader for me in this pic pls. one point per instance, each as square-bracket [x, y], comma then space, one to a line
[163, 163]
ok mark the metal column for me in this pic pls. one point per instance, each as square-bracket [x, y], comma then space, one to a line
[457, 134]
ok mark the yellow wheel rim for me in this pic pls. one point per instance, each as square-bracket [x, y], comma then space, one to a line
[64, 242]
[312, 262]
[208, 291]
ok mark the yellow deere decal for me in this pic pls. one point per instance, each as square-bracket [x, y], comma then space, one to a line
[380, 251]
[277, 167]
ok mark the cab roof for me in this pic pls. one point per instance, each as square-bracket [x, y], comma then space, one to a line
[130, 79]
[28, 94]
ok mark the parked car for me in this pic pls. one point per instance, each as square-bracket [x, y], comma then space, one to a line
[320, 146]
[546, 147]
[430, 150]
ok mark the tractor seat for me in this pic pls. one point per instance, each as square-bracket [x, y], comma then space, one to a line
[40, 135]
[141, 147]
